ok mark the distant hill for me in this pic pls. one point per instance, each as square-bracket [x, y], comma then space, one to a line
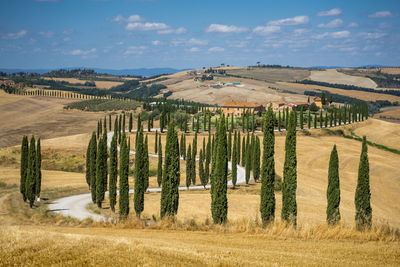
[135, 72]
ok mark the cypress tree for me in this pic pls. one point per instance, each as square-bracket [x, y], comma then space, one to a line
[147, 164]
[105, 125]
[131, 122]
[326, 119]
[229, 145]
[92, 166]
[207, 161]
[362, 199]
[124, 179]
[155, 142]
[201, 169]
[301, 118]
[321, 118]
[333, 190]
[234, 161]
[113, 173]
[219, 202]
[88, 163]
[315, 121]
[120, 129]
[38, 183]
[109, 122]
[289, 186]
[181, 146]
[123, 123]
[193, 165]
[101, 170]
[248, 160]
[24, 166]
[184, 147]
[159, 169]
[279, 121]
[267, 201]
[140, 174]
[171, 175]
[309, 119]
[31, 173]
[189, 167]
[238, 148]
[256, 159]
[244, 151]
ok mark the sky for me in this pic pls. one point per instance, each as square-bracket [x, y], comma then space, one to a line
[128, 34]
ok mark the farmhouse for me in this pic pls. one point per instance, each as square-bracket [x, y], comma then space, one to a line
[7, 82]
[237, 108]
[318, 101]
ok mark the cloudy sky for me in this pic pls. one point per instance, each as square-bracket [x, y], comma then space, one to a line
[120, 34]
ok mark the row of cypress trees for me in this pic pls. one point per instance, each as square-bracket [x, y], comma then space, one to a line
[30, 170]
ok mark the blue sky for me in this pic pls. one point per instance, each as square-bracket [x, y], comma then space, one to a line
[120, 34]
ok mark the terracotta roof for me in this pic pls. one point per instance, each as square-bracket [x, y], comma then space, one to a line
[240, 104]
[301, 103]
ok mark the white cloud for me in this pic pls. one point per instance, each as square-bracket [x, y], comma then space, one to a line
[336, 35]
[298, 20]
[195, 41]
[301, 31]
[374, 35]
[353, 25]
[180, 30]
[66, 39]
[16, 35]
[79, 52]
[264, 30]
[226, 28]
[155, 42]
[135, 50]
[331, 12]
[147, 26]
[194, 49]
[47, 34]
[238, 44]
[381, 14]
[119, 43]
[216, 49]
[332, 24]
[121, 19]
[68, 31]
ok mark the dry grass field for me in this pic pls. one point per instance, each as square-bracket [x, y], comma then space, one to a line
[41, 116]
[333, 76]
[133, 247]
[366, 96]
[271, 74]
[99, 84]
[392, 113]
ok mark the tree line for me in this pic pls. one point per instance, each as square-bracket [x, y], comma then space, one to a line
[222, 147]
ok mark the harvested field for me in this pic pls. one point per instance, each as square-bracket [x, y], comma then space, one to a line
[271, 74]
[99, 84]
[392, 114]
[366, 96]
[333, 76]
[44, 117]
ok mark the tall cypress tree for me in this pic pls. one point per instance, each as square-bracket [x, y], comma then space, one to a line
[113, 173]
[109, 122]
[189, 167]
[147, 163]
[171, 175]
[333, 190]
[229, 145]
[159, 169]
[301, 118]
[289, 186]
[267, 201]
[92, 166]
[309, 119]
[124, 179]
[207, 160]
[38, 183]
[201, 169]
[194, 154]
[101, 170]
[238, 148]
[156, 142]
[219, 202]
[244, 151]
[362, 199]
[248, 160]
[31, 173]
[88, 163]
[234, 161]
[256, 158]
[24, 166]
[315, 121]
[131, 122]
[140, 174]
